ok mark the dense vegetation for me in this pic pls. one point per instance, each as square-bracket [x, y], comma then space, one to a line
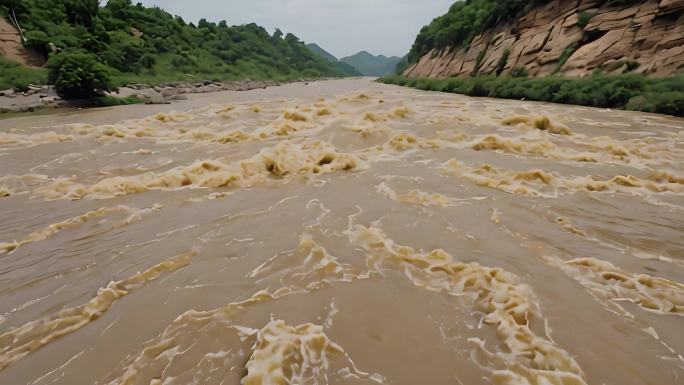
[15, 75]
[629, 91]
[78, 75]
[466, 19]
[134, 43]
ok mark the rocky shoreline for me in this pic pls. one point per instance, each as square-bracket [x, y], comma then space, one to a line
[43, 97]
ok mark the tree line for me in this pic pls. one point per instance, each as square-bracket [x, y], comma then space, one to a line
[92, 48]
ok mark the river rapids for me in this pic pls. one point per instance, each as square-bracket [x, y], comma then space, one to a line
[342, 232]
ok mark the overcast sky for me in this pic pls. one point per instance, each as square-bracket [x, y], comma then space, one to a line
[342, 27]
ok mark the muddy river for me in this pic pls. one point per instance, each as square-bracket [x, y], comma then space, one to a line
[342, 232]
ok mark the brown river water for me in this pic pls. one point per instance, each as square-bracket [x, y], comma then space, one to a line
[342, 232]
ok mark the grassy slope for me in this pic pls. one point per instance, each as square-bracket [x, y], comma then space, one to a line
[15, 75]
[630, 91]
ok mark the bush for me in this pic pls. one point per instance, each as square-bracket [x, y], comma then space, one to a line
[671, 103]
[111, 101]
[123, 51]
[583, 18]
[15, 75]
[519, 72]
[626, 91]
[38, 41]
[565, 55]
[77, 74]
[501, 65]
[147, 61]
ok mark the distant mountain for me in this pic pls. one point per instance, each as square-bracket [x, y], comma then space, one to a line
[371, 65]
[315, 48]
[340, 66]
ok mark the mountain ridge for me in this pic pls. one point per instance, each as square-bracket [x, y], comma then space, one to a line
[372, 65]
[341, 66]
[319, 50]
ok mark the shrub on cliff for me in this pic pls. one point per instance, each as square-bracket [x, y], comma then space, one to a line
[78, 74]
[520, 72]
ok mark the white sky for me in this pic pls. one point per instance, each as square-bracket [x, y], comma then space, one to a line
[342, 27]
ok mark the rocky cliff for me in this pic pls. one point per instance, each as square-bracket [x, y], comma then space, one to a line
[574, 38]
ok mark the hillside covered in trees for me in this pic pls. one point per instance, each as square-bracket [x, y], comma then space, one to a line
[126, 43]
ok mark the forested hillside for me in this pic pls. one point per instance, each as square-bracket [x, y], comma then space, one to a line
[133, 43]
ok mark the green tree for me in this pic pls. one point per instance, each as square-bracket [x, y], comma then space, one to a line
[81, 12]
[10, 4]
[121, 32]
[39, 41]
[277, 34]
[147, 61]
[78, 74]
[123, 51]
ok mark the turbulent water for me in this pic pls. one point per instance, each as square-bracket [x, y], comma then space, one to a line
[342, 232]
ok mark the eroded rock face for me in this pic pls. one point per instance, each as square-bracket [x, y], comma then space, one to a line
[647, 38]
[12, 48]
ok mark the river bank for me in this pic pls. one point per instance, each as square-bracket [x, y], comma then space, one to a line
[631, 92]
[48, 117]
[45, 97]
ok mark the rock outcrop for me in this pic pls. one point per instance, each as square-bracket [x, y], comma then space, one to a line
[574, 38]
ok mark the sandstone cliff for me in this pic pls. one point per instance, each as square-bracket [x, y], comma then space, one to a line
[574, 38]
